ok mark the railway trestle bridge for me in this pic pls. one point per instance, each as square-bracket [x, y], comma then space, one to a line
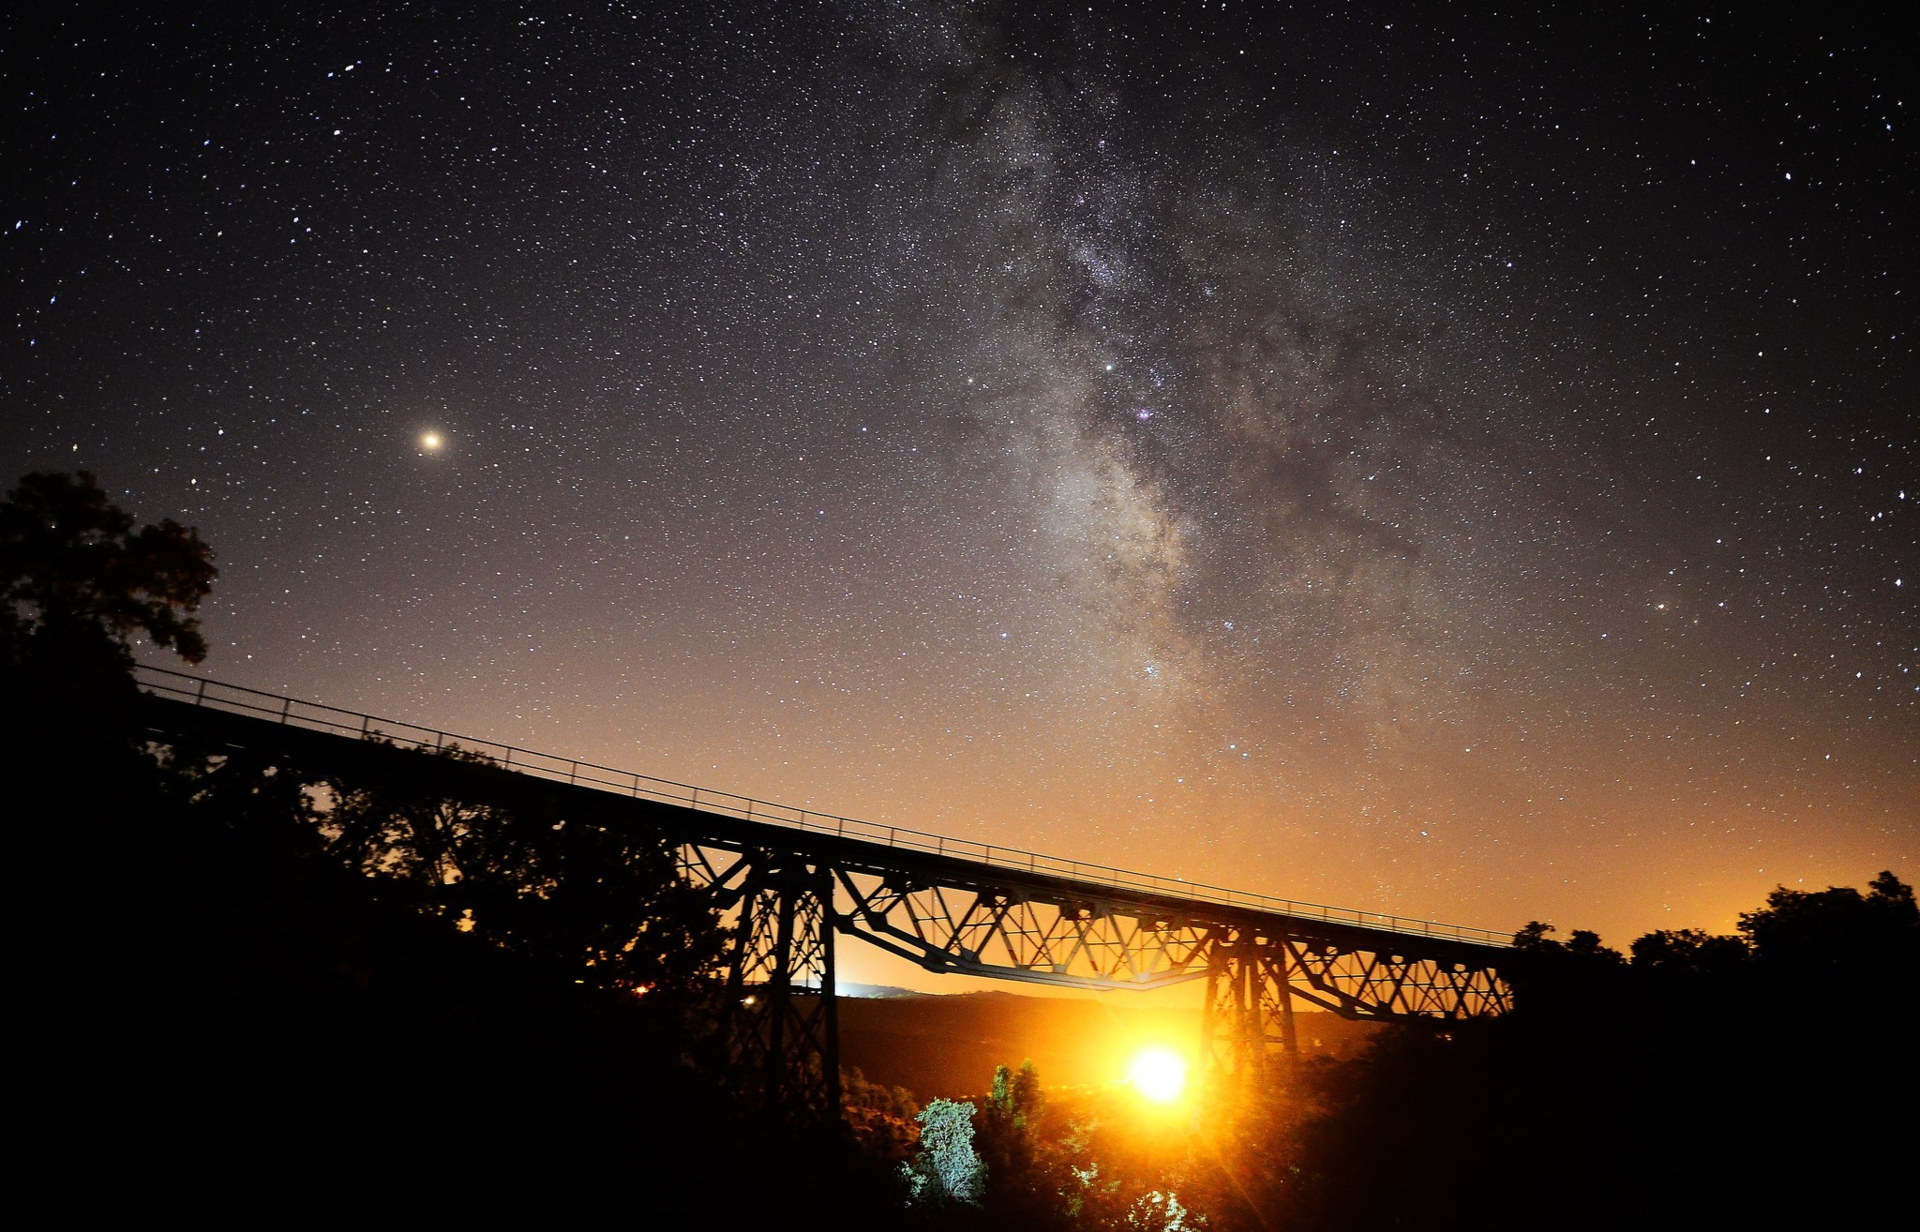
[793, 881]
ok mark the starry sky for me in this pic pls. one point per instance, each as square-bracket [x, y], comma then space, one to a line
[1453, 460]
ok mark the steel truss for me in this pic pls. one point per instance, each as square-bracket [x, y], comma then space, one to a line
[778, 1007]
[1256, 965]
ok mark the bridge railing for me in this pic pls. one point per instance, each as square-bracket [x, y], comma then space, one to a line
[313, 716]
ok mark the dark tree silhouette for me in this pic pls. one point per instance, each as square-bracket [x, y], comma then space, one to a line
[1838, 930]
[216, 1008]
[1021, 1187]
[1715, 1081]
[1581, 945]
[79, 580]
[595, 898]
[1690, 952]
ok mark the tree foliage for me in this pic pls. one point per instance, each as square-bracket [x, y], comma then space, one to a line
[1162, 1211]
[597, 898]
[880, 1118]
[1023, 1183]
[1720, 1080]
[79, 580]
[945, 1170]
[1837, 930]
[1689, 953]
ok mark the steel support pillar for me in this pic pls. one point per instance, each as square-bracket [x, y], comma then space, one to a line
[780, 1014]
[1248, 1013]
[1276, 1002]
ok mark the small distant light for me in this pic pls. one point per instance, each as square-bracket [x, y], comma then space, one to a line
[430, 441]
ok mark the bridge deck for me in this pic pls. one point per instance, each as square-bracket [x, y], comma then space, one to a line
[180, 704]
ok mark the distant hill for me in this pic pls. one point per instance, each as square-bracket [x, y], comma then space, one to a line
[876, 990]
[949, 1045]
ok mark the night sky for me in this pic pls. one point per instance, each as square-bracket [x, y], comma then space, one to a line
[1452, 462]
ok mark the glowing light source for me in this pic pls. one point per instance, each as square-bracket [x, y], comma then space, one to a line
[1160, 1074]
[430, 441]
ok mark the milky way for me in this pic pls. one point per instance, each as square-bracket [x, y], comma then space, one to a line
[1461, 465]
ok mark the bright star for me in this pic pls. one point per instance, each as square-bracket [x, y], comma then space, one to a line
[430, 441]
